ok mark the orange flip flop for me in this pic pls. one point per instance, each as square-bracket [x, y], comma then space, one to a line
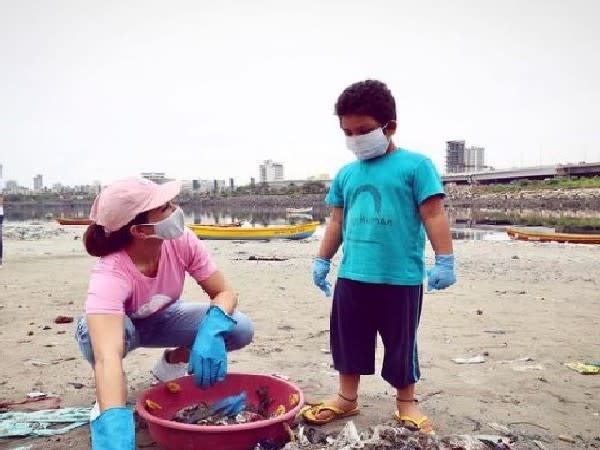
[421, 424]
[310, 413]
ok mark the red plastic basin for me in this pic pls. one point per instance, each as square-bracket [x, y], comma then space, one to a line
[171, 435]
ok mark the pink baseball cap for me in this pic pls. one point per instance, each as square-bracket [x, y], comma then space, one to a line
[118, 204]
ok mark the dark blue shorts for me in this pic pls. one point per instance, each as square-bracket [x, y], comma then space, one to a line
[360, 311]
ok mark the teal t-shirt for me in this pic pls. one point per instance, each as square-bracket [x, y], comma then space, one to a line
[383, 236]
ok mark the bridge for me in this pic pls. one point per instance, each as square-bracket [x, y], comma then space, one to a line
[504, 176]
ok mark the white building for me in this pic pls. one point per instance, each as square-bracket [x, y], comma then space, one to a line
[203, 186]
[38, 183]
[474, 159]
[270, 171]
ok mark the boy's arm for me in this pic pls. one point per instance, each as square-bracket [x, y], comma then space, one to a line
[333, 234]
[436, 224]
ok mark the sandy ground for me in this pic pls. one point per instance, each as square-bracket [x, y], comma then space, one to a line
[545, 298]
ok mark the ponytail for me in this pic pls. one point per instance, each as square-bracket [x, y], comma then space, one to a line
[99, 243]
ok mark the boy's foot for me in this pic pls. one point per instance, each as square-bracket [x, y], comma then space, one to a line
[409, 416]
[330, 410]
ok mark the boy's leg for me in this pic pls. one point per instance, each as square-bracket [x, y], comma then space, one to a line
[401, 307]
[353, 338]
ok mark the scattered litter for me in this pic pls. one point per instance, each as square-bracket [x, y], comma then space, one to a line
[43, 422]
[473, 360]
[493, 331]
[326, 351]
[173, 387]
[37, 362]
[34, 401]
[63, 319]
[152, 405]
[518, 360]
[584, 369]
[37, 395]
[31, 232]
[281, 376]
[527, 367]
[387, 437]
[501, 428]
[76, 385]
[565, 438]
[265, 258]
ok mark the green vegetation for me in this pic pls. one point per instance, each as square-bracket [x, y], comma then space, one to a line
[551, 183]
[537, 220]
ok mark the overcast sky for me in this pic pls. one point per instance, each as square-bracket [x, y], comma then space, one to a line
[98, 90]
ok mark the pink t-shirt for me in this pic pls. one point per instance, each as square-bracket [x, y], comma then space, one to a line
[117, 286]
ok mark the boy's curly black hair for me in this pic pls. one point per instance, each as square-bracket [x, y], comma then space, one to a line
[369, 98]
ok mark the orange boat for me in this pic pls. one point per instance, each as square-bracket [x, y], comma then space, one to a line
[71, 221]
[550, 236]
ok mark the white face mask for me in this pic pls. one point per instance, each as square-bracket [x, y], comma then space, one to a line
[170, 228]
[370, 145]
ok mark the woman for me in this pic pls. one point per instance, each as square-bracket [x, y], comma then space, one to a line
[134, 301]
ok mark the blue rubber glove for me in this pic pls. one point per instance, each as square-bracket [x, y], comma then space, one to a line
[230, 406]
[320, 270]
[441, 275]
[113, 430]
[208, 358]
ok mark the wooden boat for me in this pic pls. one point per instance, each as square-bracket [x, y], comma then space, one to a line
[550, 236]
[255, 233]
[73, 221]
[226, 225]
[307, 210]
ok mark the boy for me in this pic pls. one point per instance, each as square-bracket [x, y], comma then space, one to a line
[382, 205]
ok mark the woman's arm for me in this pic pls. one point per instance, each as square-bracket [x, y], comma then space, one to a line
[221, 293]
[106, 333]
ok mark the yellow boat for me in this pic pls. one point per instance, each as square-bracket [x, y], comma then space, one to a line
[550, 236]
[254, 233]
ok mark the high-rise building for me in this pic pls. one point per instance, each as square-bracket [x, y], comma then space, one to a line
[460, 159]
[270, 171]
[455, 156]
[474, 159]
[38, 183]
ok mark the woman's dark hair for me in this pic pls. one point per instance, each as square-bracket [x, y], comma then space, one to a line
[368, 98]
[98, 243]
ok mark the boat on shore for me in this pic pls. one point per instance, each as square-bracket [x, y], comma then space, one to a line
[294, 232]
[551, 236]
[74, 221]
[307, 210]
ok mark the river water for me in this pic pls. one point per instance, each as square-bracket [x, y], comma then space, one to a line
[466, 223]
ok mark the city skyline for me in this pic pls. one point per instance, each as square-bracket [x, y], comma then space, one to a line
[98, 92]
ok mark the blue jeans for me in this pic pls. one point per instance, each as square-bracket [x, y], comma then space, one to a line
[175, 326]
